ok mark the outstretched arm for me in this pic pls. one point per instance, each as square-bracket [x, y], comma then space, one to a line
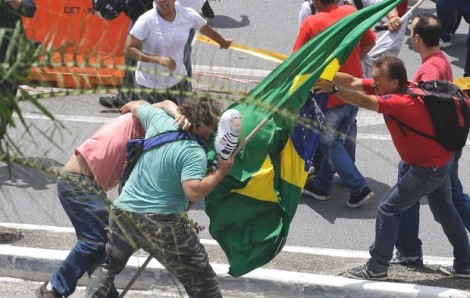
[212, 34]
[346, 80]
[349, 91]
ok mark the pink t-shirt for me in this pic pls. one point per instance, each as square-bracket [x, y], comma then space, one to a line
[434, 67]
[105, 151]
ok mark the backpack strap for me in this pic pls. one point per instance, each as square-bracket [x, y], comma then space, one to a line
[415, 91]
[137, 147]
[358, 4]
[312, 7]
[402, 125]
[170, 136]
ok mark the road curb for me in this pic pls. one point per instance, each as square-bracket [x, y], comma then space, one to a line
[38, 265]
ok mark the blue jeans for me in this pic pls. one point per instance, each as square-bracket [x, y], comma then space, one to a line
[466, 70]
[414, 183]
[460, 199]
[187, 57]
[187, 53]
[445, 10]
[336, 125]
[464, 9]
[88, 213]
[408, 242]
[350, 142]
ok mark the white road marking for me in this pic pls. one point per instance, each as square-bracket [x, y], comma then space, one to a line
[291, 249]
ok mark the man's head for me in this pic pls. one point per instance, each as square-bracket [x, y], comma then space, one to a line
[425, 32]
[165, 6]
[202, 114]
[320, 5]
[389, 74]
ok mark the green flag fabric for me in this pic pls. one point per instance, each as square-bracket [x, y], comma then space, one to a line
[251, 210]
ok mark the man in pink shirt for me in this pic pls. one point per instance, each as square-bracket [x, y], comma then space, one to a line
[94, 168]
[425, 32]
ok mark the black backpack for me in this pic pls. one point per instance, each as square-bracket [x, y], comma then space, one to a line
[449, 108]
[135, 148]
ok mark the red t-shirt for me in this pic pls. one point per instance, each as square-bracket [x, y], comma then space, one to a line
[413, 149]
[314, 24]
[105, 151]
[434, 67]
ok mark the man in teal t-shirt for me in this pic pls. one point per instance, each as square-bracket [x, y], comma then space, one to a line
[147, 214]
[156, 185]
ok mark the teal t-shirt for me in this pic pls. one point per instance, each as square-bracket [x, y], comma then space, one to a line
[155, 184]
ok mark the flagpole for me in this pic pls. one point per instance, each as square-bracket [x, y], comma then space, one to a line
[413, 8]
[265, 54]
[250, 136]
[136, 275]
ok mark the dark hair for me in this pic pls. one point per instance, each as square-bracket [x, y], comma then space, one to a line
[200, 110]
[428, 28]
[325, 2]
[395, 68]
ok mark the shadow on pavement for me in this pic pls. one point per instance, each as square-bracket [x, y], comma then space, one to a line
[22, 176]
[224, 22]
[336, 207]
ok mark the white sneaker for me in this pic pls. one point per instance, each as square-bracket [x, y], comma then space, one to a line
[444, 44]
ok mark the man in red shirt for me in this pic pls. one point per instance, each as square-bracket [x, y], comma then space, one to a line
[423, 171]
[425, 32]
[339, 116]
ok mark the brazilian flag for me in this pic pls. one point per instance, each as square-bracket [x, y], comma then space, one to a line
[251, 209]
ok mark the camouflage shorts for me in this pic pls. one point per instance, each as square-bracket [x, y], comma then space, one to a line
[168, 239]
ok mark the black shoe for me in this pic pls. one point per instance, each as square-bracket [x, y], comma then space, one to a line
[362, 272]
[360, 198]
[314, 192]
[43, 292]
[207, 11]
[449, 270]
[111, 102]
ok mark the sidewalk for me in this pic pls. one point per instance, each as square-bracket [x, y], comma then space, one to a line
[295, 272]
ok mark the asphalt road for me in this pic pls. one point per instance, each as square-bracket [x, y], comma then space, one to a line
[29, 197]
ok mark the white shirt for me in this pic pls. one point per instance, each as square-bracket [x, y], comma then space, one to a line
[166, 39]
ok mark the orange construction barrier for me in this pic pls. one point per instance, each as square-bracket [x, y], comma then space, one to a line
[78, 38]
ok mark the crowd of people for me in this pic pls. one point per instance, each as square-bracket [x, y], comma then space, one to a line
[430, 172]
[164, 182]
